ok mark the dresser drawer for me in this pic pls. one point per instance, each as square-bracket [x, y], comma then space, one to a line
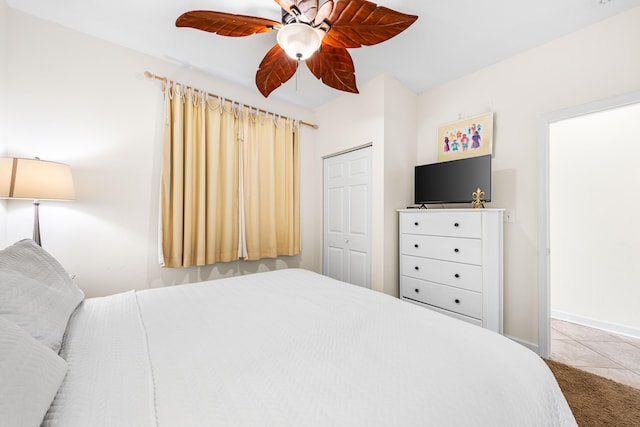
[446, 297]
[472, 320]
[465, 276]
[454, 224]
[453, 249]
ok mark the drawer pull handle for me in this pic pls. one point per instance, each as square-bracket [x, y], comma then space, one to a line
[457, 301]
[456, 225]
[417, 290]
[457, 276]
[416, 224]
[416, 245]
[417, 268]
[456, 250]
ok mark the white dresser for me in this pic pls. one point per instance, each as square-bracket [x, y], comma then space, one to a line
[451, 262]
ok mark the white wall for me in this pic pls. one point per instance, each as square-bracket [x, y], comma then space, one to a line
[83, 101]
[595, 63]
[3, 76]
[594, 248]
[400, 137]
[3, 102]
[384, 115]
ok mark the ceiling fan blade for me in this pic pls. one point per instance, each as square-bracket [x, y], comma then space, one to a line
[225, 24]
[309, 8]
[275, 70]
[323, 12]
[334, 66]
[286, 4]
[356, 23]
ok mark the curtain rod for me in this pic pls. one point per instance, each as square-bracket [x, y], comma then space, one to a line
[164, 81]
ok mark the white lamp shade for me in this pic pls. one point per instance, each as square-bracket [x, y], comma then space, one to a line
[300, 41]
[35, 179]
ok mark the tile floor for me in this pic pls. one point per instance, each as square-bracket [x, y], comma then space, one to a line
[604, 353]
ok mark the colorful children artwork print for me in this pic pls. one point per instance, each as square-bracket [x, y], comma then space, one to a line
[466, 138]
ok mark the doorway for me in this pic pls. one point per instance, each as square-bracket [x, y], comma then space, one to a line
[347, 217]
[580, 206]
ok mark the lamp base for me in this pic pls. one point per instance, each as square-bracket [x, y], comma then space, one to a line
[36, 222]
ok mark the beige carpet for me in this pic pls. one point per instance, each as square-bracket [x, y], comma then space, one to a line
[597, 401]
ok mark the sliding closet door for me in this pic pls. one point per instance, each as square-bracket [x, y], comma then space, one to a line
[347, 217]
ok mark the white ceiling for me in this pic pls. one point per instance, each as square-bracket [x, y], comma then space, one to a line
[450, 39]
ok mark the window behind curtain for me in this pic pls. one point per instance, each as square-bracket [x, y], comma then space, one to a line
[230, 182]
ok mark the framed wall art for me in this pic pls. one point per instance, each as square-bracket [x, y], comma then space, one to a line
[466, 138]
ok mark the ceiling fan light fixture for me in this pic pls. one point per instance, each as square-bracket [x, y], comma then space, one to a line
[299, 40]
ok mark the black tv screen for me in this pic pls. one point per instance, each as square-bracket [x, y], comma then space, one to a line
[453, 181]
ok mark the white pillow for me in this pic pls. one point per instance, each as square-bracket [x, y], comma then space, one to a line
[36, 293]
[30, 373]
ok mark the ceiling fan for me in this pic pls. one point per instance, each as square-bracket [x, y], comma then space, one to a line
[318, 32]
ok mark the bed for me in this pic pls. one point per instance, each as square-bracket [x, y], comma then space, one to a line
[282, 348]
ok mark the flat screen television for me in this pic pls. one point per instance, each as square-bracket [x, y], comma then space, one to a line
[453, 181]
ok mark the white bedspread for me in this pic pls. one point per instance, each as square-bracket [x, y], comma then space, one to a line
[293, 348]
[110, 383]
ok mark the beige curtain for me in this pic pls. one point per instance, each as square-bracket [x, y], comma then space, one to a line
[207, 178]
[271, 191]
[199, 188]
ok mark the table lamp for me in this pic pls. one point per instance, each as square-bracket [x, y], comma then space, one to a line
[36, 180]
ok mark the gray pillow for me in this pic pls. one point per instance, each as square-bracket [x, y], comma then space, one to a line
[36, 293]
[31, 375]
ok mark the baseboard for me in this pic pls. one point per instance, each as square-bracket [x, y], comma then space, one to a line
[531, 346]
[598, 324]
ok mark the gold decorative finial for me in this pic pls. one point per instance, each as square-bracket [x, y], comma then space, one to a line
[478, 198]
